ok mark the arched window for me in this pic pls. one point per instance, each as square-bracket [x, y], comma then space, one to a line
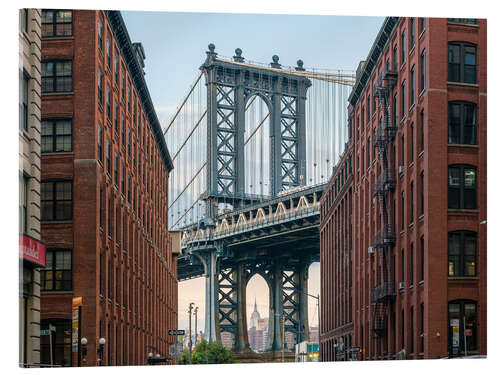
[462, 253]
[462, 186]
[462, 327]
[462, 123]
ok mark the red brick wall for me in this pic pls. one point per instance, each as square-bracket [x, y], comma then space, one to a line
[140, 256]
[437, 289]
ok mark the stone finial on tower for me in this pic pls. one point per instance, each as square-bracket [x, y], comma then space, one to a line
[275, 63]
[211, 54]
[237, 57]
[300, 66]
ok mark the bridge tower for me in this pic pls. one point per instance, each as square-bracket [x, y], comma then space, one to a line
[230, 85]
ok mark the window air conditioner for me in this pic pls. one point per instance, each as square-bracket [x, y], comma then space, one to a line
[401, 168]
[401, 285]
[371, 250]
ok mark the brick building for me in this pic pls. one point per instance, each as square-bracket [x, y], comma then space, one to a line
[104, 198]
[32, 250]
[417, 119]
[336, 259]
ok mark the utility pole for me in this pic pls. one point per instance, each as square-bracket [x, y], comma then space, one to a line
[190, 337]
[195, 325]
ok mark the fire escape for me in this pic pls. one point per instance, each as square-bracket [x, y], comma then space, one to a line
[382, 295]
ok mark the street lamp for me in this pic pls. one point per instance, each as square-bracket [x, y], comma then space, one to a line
[191, 305]
[100, 350]
[84, 341]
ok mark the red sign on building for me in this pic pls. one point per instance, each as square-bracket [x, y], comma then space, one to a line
[31, 250]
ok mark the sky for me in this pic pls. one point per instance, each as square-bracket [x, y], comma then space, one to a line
[175, 46]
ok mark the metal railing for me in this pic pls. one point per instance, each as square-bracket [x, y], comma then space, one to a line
[383, 293]
[385, 236]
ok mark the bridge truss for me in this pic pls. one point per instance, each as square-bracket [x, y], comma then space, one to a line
[253, 150]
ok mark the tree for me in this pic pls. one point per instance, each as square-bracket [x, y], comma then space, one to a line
[208, 353]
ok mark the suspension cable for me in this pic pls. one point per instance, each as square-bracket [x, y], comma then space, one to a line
[183, 102]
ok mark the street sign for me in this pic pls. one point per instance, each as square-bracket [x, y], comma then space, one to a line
[176, 332]
[44, 332]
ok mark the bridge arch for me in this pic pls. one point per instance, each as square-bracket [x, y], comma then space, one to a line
[257, 146]
[258, 292]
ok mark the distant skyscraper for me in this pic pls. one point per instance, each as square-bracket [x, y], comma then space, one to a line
[258, 331]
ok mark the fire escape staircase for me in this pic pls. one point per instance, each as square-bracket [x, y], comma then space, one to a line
[382, 295]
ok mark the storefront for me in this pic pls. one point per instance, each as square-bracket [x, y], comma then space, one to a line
[31, 258]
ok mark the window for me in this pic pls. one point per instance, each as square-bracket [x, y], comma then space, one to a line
[462, 123]
[402, 329]
[128, 98]
[56, 200]
[402, 150]
[108, 157]
[368, 152]
[99, 142]
[411, 202]
[110, 218]
[403, 100]
[57, 273]
[368, 109]
[108, 53]
[123, 86]
[422, 193]
[462, 187]
[422, 71]
[461, 62]
[462, 327]
[403, 47]
[412, 35]
[99, 33]
[412, 148]
[102, 198]
[395, 58]
[23, 204]
[422, 258]
[99, 85]
[23, 107]
[61, 342]
[412, 88]
[471, 21]
[117, 69]
[402, 210]
[101, 274]
[117, 124]
[402, 279]
[123, 131]
[116, 168]
[421, 28]
[56, 136]
[108, 103]
[422, 326]
[57, 76]
[395, 110]
[422, 127]
[123, 179]
[411, 264]
[462, 250]
[57, 23]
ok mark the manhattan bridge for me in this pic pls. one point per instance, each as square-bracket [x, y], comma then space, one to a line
[253, 147]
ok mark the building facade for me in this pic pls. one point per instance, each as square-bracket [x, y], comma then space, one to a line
[104, 197]
[336, 260]
[31, 249]
[418, 125]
